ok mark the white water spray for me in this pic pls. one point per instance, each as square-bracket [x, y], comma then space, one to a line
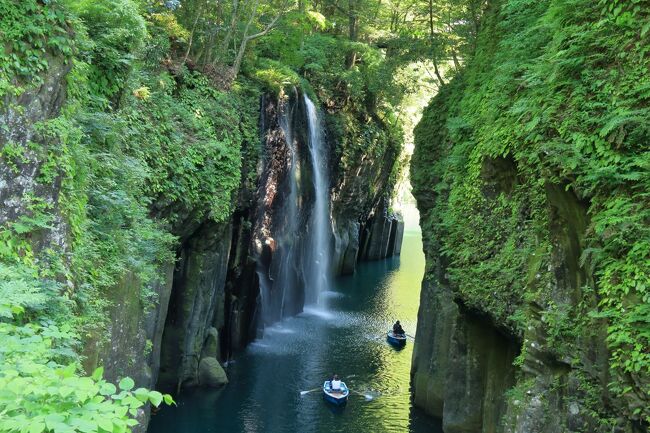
[317, 268]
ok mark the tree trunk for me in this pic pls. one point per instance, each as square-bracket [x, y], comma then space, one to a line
[189, 43]
[431, 20]
[437, 71]
[209, 49]
[433, 48]
[352, 19]
[231, 29]
[456, 62]
[353, 23]
[242, 46]
[246, 39]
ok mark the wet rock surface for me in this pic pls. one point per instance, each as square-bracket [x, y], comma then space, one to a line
[262, 236]
[196, 307]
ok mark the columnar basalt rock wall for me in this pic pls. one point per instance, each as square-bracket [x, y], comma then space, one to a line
[463, 367]
[381, 235]
[257, 254]
[196, 307]
[519, 305]
[362, 186]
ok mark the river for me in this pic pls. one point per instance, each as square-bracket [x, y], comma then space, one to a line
[299, 353]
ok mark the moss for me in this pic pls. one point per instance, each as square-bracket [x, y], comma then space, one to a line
[567, 233]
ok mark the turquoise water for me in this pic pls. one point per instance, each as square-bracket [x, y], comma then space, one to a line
[298, 354]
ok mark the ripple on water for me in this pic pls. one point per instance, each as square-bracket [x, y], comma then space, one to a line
[321, 313]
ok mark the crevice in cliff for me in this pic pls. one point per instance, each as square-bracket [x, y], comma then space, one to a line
[462, 363]
[242, 289]
[196, 309]
[488, 320]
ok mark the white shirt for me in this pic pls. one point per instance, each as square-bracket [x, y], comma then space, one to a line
[336, 385]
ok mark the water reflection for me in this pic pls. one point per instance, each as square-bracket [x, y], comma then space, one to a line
[299, 353]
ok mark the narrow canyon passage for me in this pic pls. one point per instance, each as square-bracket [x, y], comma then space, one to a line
[204, 202]
[300, 352]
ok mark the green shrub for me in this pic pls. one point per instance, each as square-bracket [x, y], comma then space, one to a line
[29, 30]
[115, 32]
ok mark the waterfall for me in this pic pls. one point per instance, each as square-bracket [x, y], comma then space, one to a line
[317, 270]
[293, 228]
[286, 278]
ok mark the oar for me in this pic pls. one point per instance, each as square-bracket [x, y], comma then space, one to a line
[409, 335]
[308, 391]
[368, 397]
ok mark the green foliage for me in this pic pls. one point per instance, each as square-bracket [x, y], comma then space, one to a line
[168, 23]
[360, 99]
[40, 389]
[23, 292]
[135, 154]
[560, 89]
[192, 156]
[275, 77]
[115, 30]
[145, 146]
[29, 31]
[40, 395]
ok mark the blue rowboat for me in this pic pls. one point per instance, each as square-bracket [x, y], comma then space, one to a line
[335, 397]
[396, 339]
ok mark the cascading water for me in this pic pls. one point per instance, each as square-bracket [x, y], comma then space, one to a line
[317, 269]
[278, 277]
[286, 279]
[294, 223]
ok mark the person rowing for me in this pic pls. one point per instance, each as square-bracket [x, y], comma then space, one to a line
[335, 384]
[398, 330]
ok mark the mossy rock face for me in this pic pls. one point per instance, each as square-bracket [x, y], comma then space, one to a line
[196, 306]
[532, 229]
[27, 147]
[211, 344]
[211, 373]
[462, 365]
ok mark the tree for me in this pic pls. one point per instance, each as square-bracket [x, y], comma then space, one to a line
[221, 31]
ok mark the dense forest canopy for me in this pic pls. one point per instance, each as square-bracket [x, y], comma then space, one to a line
[219, 32]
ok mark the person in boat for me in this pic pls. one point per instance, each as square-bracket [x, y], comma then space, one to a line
[398, 330]
[335, 384]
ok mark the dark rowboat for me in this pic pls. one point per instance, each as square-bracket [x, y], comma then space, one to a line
[335, 397]
[396, 339]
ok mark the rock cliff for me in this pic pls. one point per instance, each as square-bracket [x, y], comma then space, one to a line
[213, 297]
[150, 205]
[525, 324]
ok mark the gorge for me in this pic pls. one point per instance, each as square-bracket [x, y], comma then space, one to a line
[208, 202]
